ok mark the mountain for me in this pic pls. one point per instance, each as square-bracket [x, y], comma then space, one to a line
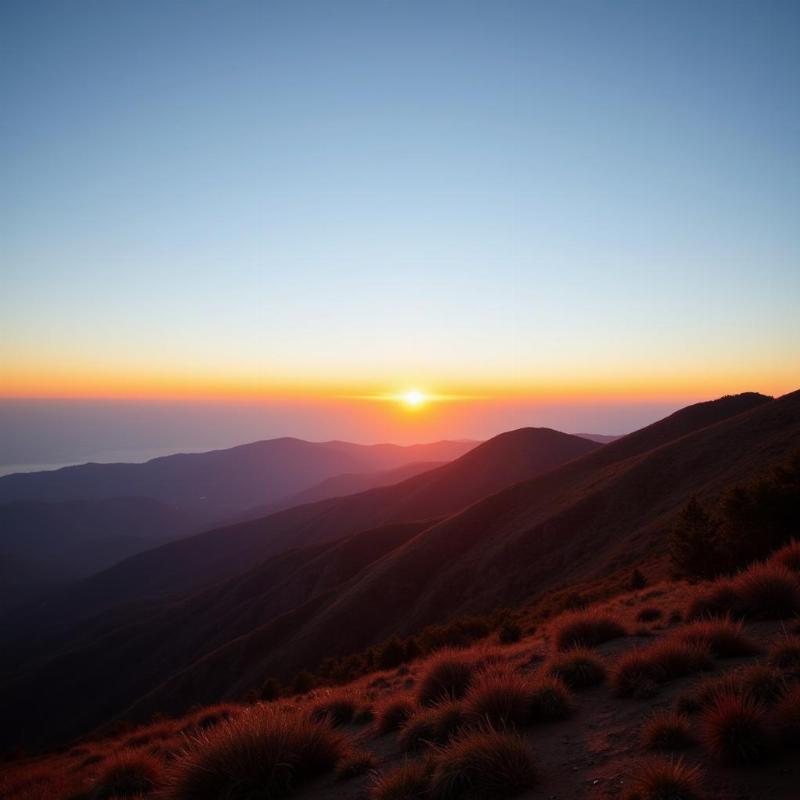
[223, 482]
[190, 563]
[600, 438]
[46, 544]
[342, 485]
[142, 641]
[601, 512]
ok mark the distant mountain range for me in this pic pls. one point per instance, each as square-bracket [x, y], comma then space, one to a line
[61, 525]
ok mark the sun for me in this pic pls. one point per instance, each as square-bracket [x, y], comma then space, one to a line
[413, 398]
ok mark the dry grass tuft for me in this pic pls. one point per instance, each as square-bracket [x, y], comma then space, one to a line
[391, 716]
[260, 753]
[724, 638]
[587, 628]
[785, 655]
[787, 718]
[649, 614]
[483, 764]
[448, 677]
[335, 711]
[640, 672]
[579, 668]
[356, 763]
[409, 781]
[735, 730]
[128, 773]
[788, 556]
[667, 730]
[658, 779]
[550, 700]
[435, 725]
[500, 698]
[762, 591]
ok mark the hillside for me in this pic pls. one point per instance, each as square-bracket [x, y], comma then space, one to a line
[199, 560]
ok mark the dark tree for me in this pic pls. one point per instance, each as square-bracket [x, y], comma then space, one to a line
[695, 543]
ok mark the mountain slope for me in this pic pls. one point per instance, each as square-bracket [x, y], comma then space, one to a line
[598, 513]
[198, 560]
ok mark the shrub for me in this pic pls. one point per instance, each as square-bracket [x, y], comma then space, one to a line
[483, 764]
[270, 690]
[667, 730]
[639, 672]
[657, 779]
[649, 614]
[260, 753]
[585, 629]
[500, 699]
[787, 718]
[392, 654]
[735, 729]
[447, 677]
[785, 655]
[723, 638]
[510, 632]
[409, 781]
[694, 543]
[392, 715]
[128, 773]
[550, 700]
[303, 682]
[579, 668]
[762, 591]
[435, 725]
[354, 764]
[335, 711]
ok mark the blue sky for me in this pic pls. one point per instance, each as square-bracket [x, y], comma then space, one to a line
[530, 198]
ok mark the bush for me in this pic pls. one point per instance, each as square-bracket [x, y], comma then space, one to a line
[500, 699]
[392, 654]
[447, 677]
[667, 730]
[409, 781]
[260, 753]
[723, 638]
[666, 780]
[392, 715]
[270, 690]
[762, 591]
[637, 581]
[303, 682]
[432, 726]
[639, 672]
[694, 543]
[735, 729]
[550, 700]
[483, 764]
[128, 773]
[585, 629]
[579, 668]
[787, 718]
[335, 711]
[650, 614]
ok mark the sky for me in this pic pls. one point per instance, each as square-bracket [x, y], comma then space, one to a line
[305, 210]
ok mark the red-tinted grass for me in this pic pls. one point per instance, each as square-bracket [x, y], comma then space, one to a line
[587, 628]
[659, 779]
[735, 730]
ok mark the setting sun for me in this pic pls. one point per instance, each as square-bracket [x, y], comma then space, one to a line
[413, 398]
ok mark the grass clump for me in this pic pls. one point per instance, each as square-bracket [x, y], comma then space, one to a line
[409, 781]
[393, 715]
[260, 754]
[785, 655]
[335, 711]
[550, 700]
[659, 779]
[786, 718]
[128, 773]
[587, 628]
[788, 556]
[762, 591]
[500, 699]
[483, 764]
[735, 729]
[724, 638]
[640, 672]
[356, 763]
[649, 614]
[435, 725]
[667, 730]
[578, 669]
[447, 677]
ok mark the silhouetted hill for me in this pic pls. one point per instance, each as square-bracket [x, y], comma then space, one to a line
[222, 482]
[183, 565]
[600, 438]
